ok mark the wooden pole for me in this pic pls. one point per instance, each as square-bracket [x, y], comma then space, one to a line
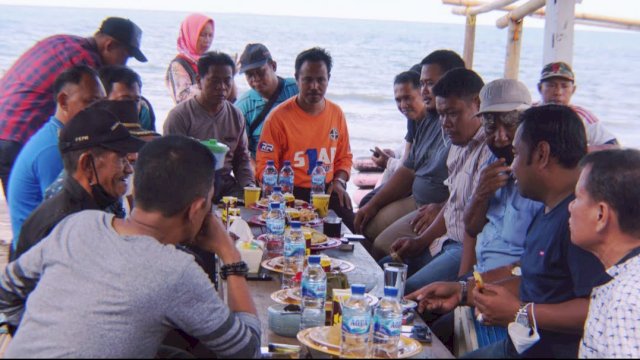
[558, 31]
[469, 41]
[514, 42]
[520, 12]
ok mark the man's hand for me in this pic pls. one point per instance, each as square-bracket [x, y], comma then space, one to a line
[363, 216]
[381, 157]
[497, 305]
[493, 177]
[439, 297]
[343, 196]
[407, 247]
[425, 216]
[213, 237]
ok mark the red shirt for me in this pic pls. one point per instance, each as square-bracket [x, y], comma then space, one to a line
[26, 90]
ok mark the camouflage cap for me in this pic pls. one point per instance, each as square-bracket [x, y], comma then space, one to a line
[557, 69]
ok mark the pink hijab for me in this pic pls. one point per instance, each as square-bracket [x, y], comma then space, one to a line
[189, 33]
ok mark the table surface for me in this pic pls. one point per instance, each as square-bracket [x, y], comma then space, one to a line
[366, 269]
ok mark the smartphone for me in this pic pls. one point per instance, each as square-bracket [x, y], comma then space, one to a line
[346, 247]
[354, 237]
[375, 153]
[258, 277]
[421, 333]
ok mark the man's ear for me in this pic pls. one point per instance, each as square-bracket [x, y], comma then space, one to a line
[476, 102]
[85, 167]
[62, 99]
[198, 81]
[274, 65]
[574, 89]
[195, 209]
[542, 154]
[605, 216]
[540, 87]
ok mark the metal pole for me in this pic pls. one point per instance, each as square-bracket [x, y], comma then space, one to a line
[514, 42]
[469, 41]
[558, 31]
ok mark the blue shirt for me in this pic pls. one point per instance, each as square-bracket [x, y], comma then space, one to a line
[251, 104]
[554, 270]
[509, 215]
[36, 167]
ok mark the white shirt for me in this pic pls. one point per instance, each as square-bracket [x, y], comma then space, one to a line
[612, 329]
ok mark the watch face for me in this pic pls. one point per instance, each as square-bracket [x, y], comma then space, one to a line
[523, 319]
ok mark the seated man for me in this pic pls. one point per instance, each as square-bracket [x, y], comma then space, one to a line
[309, 128]
[557, 86]
[557, 276]
[98, 172]
[604, 221]
[391, 214]
[435, 254]
[122, 83]
[268, 90]
[119, 291]
[209, 115]
[39, 162]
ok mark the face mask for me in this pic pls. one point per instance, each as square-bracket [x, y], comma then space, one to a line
[504, 152]
[522, 336]
[100, 195]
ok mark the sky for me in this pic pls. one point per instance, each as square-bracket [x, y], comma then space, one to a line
[403, 10]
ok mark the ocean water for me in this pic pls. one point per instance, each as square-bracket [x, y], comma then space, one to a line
[366, 54]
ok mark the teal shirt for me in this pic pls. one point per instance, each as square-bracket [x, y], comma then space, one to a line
[251, 104]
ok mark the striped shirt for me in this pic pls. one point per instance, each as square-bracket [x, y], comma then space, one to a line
[464, 164]
[113, 296]
[597, 134]
[26, 90]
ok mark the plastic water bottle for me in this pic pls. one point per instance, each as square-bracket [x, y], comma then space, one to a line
[318, 176]
[356, 323]
[294, 252]
[276, 195]
[285, 180]
[387, 324]
[269, 178]
[314, 291]
[275, 229]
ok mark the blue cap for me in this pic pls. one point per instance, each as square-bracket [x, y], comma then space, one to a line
[277, 188]
[318, 163]
[295, 224]
[287, 163]
[271, 162]
[314, 259]
[274, 205]
[390, 291]
[357, 289]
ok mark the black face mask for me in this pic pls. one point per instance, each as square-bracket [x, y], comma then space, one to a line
[504, 152]
[100, 195]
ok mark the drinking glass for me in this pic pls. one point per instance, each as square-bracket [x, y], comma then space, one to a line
[395, 275]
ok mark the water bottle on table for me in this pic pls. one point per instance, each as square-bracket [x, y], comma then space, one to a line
[387, 325]
[285, 180]
[294, 252]
[356, 322]
[314, 292]
[318, 176]
[269, 179]
[275, 230]
[277, 196]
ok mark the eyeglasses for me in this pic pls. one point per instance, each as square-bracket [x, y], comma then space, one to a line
[490, 121]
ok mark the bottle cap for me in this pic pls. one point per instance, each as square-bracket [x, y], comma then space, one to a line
[270, 162]
[357, 289]
[390, 291]
[214, 146]
[314, 259]
[318, 163]
[295, 224]
[277, 188]
[274, 205]
[287, 163]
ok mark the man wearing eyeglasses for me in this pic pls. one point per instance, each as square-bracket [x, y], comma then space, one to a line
[268, 90]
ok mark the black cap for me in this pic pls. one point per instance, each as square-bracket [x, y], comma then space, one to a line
[254, 56]
[94, 127]
[127, 112]
[126, 32]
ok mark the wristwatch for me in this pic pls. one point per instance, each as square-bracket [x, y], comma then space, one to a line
[239, 268]
[522, 316]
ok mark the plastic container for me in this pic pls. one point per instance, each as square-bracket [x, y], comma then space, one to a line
[294, 252]
[269, 179]
[387, 325]
[314, 292]
[318, 178]
[219, 151]
[356, 323]
[275, 230]
[286, 178]
[284, 323]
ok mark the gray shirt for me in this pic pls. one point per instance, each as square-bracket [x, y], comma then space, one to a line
[428, 158]
[227, 126]
[91, 292]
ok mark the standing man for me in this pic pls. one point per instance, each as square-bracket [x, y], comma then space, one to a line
[310, 128]
[557, 86]
[268, 90]
[604, 221]
[40, 162]
[209, 115]
[391, 214]
[26, 90]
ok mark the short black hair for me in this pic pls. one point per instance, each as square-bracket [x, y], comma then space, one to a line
[446, 59]
[416, 68]
[408, 77]
[119, 74]
[459, 82]
[212, 58]
[72, 75]
[614, 179]
[314, 54]
[560, 127]
[171, 172]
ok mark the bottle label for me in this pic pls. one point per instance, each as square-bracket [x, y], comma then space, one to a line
[390, 326]
[314, 289]
[317, 180]
[356, 324]
[292, 249]
[270, 179]
[275, 226]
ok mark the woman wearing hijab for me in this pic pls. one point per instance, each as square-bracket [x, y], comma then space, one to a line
[196, 35]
